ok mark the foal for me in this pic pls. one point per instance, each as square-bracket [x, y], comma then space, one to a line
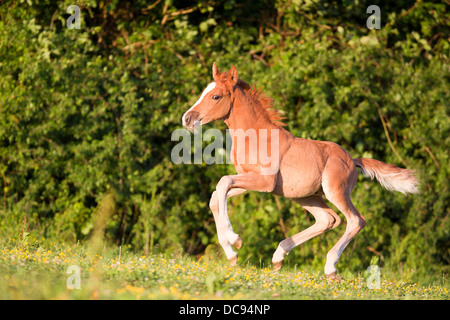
[300, 169]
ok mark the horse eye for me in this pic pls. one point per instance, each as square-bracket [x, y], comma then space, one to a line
[215, 97]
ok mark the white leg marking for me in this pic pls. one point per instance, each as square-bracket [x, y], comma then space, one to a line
[226, 234]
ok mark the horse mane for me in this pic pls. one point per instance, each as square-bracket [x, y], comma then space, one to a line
[259, 100]
[265, 103]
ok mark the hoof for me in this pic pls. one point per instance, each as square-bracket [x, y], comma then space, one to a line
[238, 243]
[333, 277]
[277, 265]
[233, 260]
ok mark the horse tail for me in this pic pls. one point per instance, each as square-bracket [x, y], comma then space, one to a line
[389, 176]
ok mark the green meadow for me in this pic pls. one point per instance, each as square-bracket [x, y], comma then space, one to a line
[44, 272]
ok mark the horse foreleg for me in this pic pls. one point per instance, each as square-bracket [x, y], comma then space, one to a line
[225, 232]
[226, 185]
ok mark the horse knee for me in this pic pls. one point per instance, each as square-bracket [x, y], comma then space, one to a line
[224, 184]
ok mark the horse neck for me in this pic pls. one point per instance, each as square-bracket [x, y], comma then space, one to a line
[245, 116]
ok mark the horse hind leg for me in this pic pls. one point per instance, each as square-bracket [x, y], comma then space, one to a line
[355, 223]
[338, 179]
[326, 219]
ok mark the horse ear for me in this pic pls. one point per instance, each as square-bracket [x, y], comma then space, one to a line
[215, 71]
[233, 75]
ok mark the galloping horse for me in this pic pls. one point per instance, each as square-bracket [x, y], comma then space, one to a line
[301, 169]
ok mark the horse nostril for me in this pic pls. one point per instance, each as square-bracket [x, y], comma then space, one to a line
[190, 117]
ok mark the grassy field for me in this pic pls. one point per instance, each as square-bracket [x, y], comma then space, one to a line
[41, 272]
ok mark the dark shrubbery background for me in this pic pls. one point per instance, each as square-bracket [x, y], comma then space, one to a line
[89, 113]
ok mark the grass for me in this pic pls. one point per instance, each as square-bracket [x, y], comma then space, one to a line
[40, 272]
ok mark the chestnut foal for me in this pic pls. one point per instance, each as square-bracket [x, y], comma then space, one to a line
[300, 169]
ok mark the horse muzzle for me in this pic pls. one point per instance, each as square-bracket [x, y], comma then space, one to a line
[191, 119]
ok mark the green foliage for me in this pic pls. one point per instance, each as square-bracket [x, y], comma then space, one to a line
[89, 112]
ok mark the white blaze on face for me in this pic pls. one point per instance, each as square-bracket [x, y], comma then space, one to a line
[209, 88]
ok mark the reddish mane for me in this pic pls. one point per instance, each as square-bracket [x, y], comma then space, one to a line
[259, 100]
[265, 103]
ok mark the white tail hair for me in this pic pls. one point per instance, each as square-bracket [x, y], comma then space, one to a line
[389, 176]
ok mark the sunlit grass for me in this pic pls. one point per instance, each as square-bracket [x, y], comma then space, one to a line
[40, 272]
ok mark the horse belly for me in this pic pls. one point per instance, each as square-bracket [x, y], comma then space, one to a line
[298, 183]
[300, 172]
